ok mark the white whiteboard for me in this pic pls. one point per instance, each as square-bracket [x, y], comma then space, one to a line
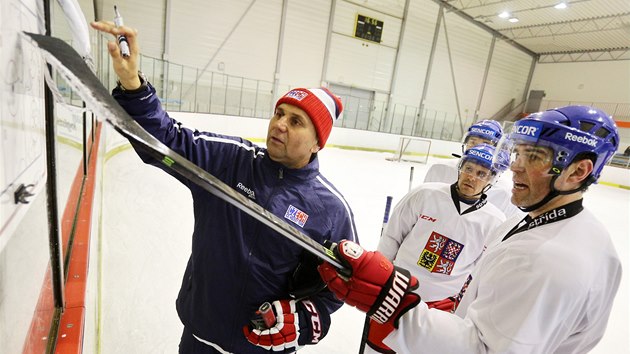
[22, 139]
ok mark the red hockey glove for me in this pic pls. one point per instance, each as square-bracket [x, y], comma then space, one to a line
[376, 286]
[288, 333]
[283, 336]
[376, 333]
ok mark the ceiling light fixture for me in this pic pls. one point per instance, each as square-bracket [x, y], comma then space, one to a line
[560, 6]
[513, 19]
[504, 14]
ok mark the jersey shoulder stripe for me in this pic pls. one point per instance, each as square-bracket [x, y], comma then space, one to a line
[343, 201]
[223, 140]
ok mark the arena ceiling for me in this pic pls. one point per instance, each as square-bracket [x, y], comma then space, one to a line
[556, 30]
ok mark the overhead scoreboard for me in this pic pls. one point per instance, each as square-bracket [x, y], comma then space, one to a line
[368, 28]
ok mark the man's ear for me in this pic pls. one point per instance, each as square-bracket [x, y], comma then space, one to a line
[315, 148]
[579, 171]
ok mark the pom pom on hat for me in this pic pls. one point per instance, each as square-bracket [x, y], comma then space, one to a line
[321, 105]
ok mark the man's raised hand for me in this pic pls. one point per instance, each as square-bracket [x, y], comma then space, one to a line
[125, 68]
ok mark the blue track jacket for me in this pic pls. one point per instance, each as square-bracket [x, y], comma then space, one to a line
[237, 263]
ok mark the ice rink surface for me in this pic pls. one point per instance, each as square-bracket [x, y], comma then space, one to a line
[147, 228]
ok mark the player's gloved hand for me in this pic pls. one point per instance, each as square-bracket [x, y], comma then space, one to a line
[449, 304]
[297, 323]
[376, 333]
[375, 286]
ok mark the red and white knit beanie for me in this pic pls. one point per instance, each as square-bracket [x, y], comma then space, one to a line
[321, 105]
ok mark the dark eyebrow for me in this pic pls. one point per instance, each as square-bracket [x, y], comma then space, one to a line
[301, 118]
[535, 149]
[473, 164]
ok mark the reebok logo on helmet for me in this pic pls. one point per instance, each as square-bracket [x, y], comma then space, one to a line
[580, 139]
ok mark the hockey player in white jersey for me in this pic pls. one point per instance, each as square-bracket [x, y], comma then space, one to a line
[438, 232]
[544, 285]
[484, 131]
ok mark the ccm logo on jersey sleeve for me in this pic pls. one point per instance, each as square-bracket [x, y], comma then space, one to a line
[427, 218]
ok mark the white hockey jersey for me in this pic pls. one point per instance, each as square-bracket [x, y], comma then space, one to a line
[428, 236]
[500, 194]
[545, 290]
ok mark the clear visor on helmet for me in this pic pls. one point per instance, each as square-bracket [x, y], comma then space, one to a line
[475, 169]
[472, 140]
[527, 153]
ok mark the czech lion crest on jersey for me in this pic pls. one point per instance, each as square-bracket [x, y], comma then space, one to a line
[440, 254]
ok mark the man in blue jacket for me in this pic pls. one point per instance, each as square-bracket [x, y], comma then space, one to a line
[237, 263]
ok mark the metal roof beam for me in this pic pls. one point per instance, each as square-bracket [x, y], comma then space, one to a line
[493, 32]
[473, 4]
[586, 25]
[584, 56]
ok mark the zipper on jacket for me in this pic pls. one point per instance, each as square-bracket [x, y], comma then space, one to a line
[281, 173]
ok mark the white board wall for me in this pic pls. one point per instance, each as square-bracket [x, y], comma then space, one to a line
[256, 129]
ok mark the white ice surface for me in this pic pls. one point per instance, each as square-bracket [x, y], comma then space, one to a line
[147, 236]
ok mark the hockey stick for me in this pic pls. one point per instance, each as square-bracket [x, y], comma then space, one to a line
[388, 206]
[366, 324]
[69, 64]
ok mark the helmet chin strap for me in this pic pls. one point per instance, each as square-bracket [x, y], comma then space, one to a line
[553, 192]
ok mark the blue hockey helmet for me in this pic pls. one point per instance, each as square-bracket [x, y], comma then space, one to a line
[568, 131]
[487, 129]
[484, 155]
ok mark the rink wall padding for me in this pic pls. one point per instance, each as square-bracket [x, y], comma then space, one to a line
[622, 124]
[71, 325]
[76, 232]
[346, 138]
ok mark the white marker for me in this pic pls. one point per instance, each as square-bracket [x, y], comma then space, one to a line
[122, 40]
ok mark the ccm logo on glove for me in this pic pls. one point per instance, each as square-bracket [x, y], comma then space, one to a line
[316, 324]
[288, 333]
